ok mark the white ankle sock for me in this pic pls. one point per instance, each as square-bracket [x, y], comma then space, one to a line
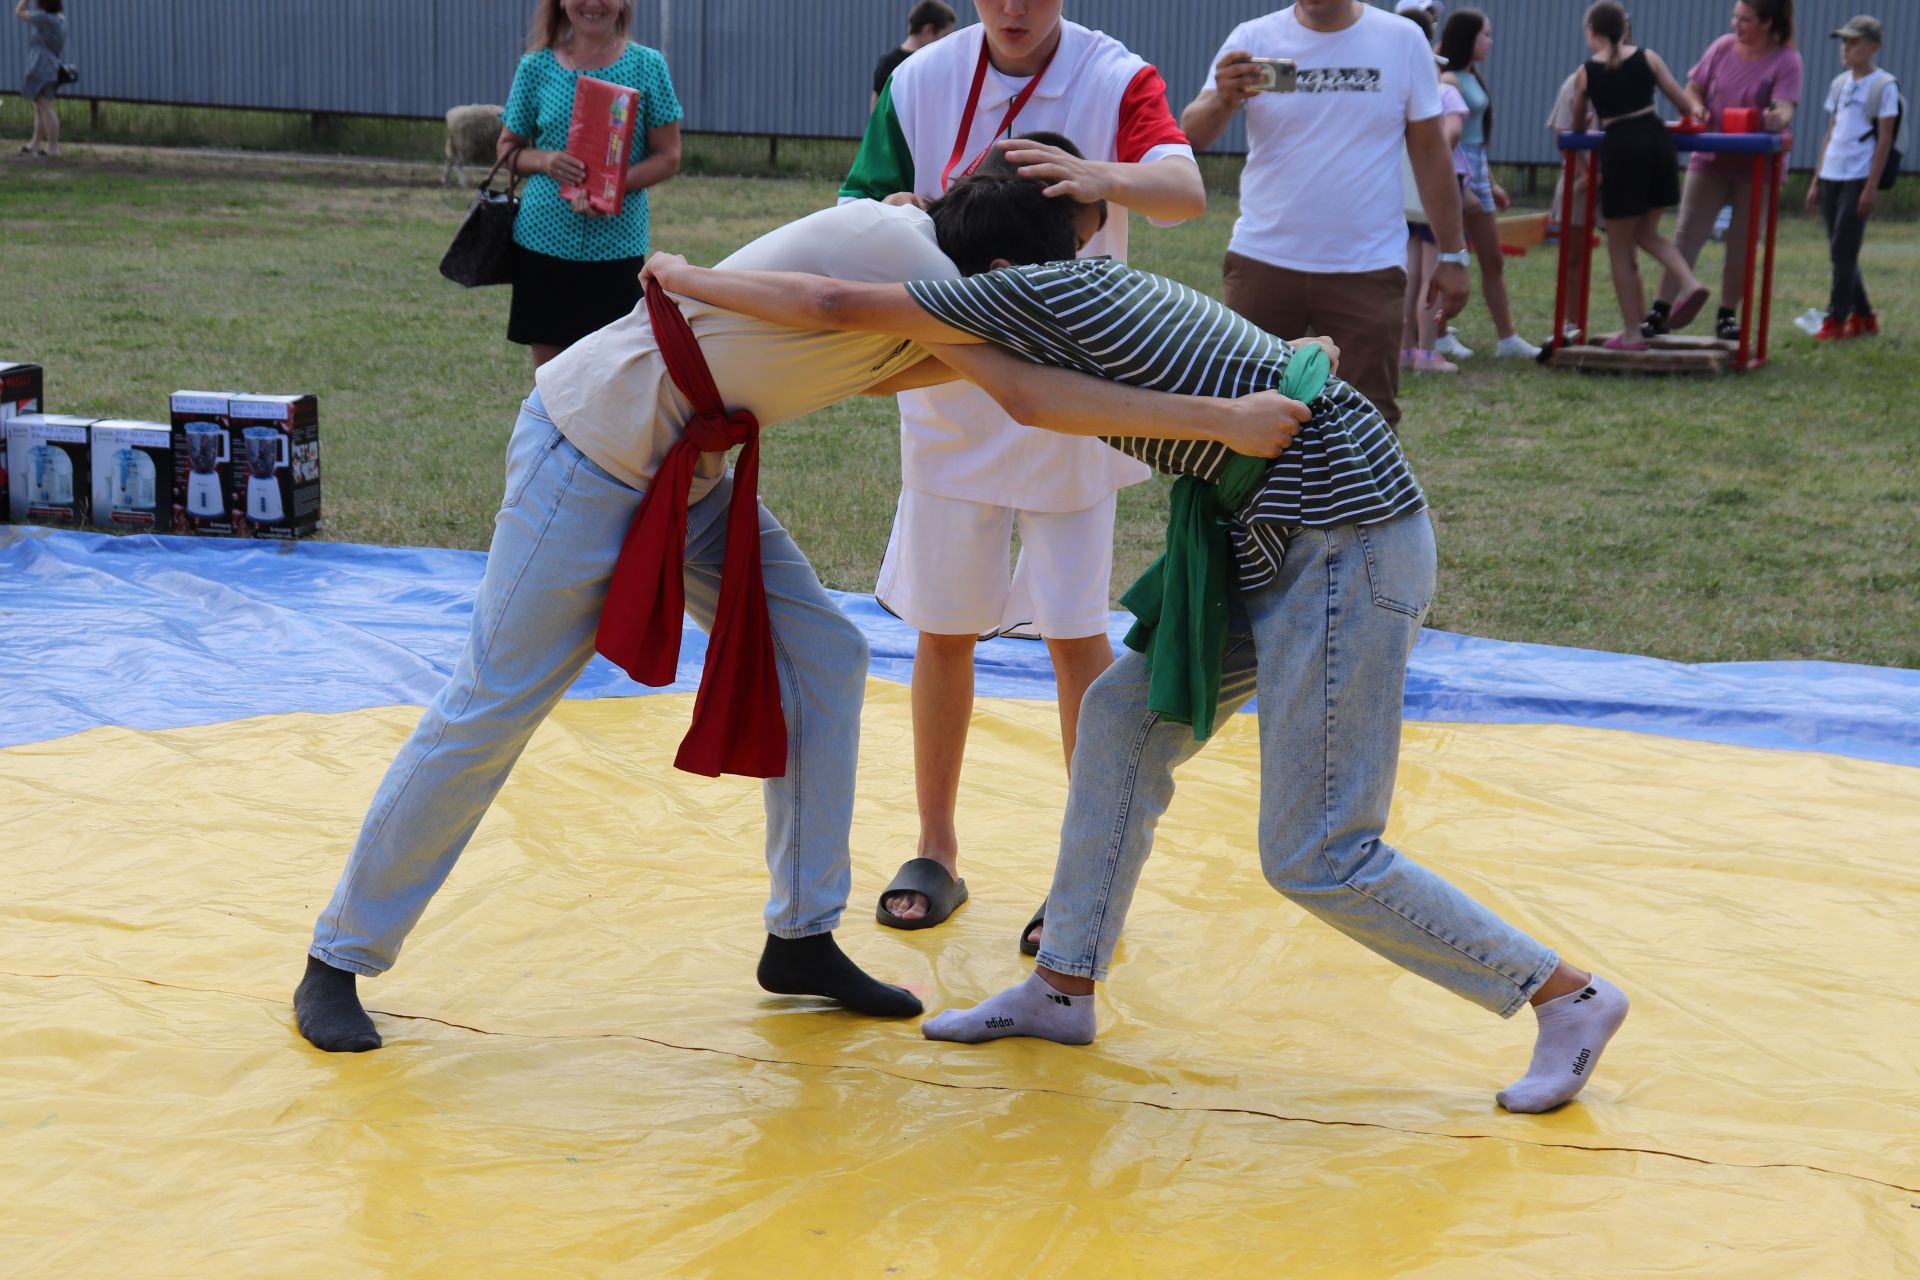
[1033, 1008]
[1574, 1030]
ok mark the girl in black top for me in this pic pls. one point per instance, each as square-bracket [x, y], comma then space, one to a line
[1640, 170]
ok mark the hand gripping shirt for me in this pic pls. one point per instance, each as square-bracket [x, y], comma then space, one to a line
[1113, 321]
[955, 441]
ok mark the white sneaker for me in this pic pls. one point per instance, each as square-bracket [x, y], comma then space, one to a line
[1448, 345]
[1515, 348]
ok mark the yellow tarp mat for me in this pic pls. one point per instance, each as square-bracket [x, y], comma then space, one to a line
[581, 1079]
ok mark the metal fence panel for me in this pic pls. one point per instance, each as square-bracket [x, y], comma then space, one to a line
[791, 67]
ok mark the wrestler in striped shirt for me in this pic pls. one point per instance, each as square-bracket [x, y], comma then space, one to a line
[1323, 647]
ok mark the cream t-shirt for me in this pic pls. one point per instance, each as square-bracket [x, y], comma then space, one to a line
[610, 394]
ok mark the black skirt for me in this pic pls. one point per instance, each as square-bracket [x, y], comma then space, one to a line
[1639, 168]
[557, 301]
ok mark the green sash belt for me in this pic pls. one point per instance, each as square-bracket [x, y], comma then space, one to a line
[1180, 603]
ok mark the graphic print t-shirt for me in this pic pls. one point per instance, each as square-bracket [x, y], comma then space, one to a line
[1321, 190]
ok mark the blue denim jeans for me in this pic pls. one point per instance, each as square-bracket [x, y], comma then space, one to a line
[554, 545]
[1325, 647]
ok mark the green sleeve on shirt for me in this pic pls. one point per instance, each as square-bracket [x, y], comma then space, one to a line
[884, 165]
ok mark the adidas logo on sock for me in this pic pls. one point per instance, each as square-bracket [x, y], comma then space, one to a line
[1580, 1063]
[1057, 998]
[1588, 994]
[999, 1024]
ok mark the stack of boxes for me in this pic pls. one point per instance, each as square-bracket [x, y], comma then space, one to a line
[225, 463]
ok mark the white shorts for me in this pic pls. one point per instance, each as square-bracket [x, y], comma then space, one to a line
[946, 568]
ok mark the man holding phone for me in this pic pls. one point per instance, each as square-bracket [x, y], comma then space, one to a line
[1320, 244]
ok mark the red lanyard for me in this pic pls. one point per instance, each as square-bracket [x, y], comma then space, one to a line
[973, 101]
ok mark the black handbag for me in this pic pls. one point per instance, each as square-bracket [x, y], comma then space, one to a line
[482, 249]
[66, 74]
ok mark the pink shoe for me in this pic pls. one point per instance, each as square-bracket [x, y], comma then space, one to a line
[1688, 307]
[1623, 342]
[1425, 361]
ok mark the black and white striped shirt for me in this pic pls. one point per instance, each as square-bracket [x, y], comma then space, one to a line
[1113, 321]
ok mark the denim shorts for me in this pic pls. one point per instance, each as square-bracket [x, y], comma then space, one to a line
[1479, 180]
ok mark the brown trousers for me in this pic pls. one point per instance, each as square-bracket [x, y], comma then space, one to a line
[1359, 310]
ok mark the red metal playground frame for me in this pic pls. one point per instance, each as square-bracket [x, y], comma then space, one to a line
[1767, 173]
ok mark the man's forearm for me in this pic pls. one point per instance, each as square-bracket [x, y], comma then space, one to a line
[779, 297]
[1167, 190]
[1206, 118]
[1078, 404]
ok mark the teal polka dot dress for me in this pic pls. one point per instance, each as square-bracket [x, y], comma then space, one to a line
[540, 107]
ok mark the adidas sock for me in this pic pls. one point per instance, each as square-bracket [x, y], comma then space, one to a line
[816, 966]
[326, 1007]
[1033, 1008]
[1662, 309]
[1574, 1030]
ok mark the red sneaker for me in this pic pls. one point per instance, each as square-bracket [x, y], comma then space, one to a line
[1863, 326]
[1832, 330]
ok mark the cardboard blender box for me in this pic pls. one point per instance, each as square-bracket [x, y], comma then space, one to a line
[204, 461]
[277, 464]
[132, 476]
[47, 481]
[20, 392]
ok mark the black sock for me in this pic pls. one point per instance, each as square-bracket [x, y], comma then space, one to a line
[817, 967]
[1726, 313]
[1662, 309]
[327, 1009]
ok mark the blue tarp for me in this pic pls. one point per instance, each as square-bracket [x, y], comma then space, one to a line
[162, 632]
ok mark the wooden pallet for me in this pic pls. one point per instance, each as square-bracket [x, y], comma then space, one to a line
[1674, 353]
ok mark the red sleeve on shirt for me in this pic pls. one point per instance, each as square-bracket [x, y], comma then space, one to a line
[1145, 120]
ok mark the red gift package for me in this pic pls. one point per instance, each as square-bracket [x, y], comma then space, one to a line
[601, 137]
[1741, 120]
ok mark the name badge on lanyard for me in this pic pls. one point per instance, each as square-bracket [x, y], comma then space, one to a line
[1006, 122]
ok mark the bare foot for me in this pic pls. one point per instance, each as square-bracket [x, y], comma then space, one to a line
[908, 906]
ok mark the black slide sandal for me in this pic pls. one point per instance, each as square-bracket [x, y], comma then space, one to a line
[1028, 947]
[944, 894]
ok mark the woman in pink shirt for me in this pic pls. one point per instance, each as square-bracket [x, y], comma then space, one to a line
[1755, 65]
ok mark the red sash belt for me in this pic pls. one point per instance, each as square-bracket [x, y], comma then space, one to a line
[738, 726]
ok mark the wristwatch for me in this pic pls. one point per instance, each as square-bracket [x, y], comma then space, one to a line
[1459, 257]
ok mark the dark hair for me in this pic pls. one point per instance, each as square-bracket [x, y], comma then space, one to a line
[997, 165]
[1423, 19]
[1457, 39]
[1608, 20]
[986, 216]
[550, 26]
[1777, 14]
[52, 6]
[931, 13]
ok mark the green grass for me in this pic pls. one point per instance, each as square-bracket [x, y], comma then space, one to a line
[1768, 515]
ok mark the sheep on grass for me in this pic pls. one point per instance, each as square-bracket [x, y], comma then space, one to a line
[473, 137]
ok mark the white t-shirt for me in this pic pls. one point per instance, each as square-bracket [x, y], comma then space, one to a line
[1321, 190]
[609, 393]
[955, 441]
[1849, 156]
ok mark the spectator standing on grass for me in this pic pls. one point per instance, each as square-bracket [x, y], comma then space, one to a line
[1754, 66]
[574, 270]
[1863, 110]
[1320, 245]
[1465, 43]
[970, 473]
[1640, 163]
[46, 41]
[929, 21]
[1420, 327]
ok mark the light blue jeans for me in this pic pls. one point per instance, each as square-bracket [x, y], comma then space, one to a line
[554, 545]
[1325, 647]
